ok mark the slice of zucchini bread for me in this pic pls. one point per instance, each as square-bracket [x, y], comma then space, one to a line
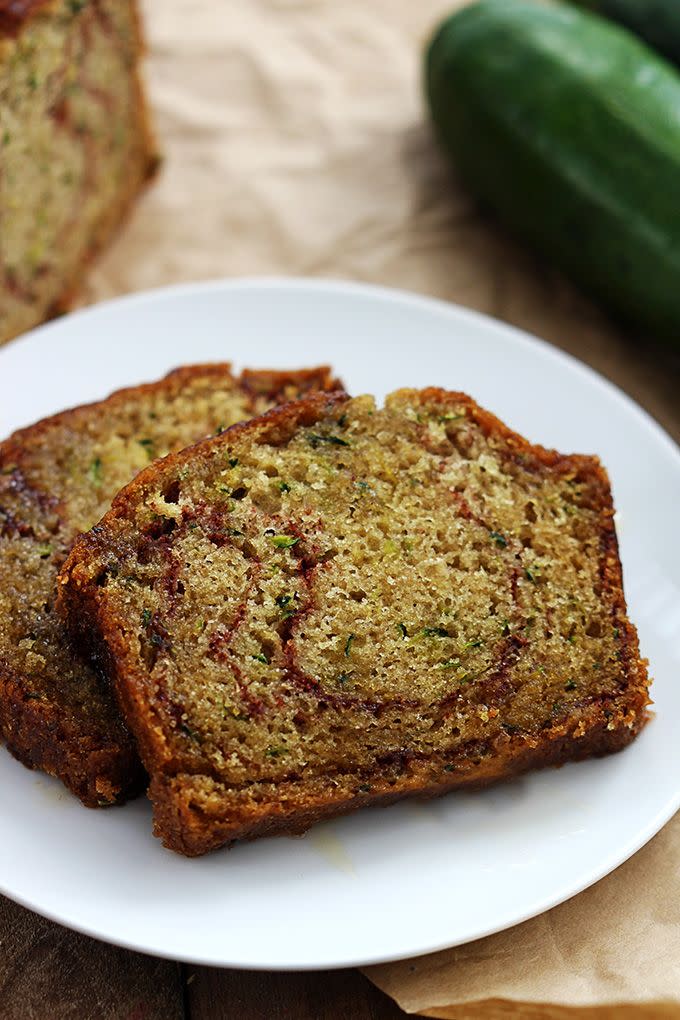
[336, 604]
[57, 478]
[75, 145]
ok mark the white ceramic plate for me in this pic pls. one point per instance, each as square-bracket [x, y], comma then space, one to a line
[385, 883]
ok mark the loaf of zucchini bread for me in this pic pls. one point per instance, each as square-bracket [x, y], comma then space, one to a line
[57, 478]
[75, 145]
[338, 604]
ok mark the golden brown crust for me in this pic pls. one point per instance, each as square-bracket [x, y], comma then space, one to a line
[117, 217]
[31, 437]
[97, 759]
[138, 179]
[274, 382]
[98, 769]
[184, 828]
[600, 727]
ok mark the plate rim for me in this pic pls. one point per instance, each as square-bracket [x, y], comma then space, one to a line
[462, 315]
[615, 861]
[339, 285]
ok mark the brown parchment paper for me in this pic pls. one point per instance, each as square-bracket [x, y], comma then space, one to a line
[613, 951]
[295, 142]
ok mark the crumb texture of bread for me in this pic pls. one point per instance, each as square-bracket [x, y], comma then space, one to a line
[338, 604]
[57, 478]
[75, 145]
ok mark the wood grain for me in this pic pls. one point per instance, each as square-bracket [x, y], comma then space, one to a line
[249, 995]
[50, 973]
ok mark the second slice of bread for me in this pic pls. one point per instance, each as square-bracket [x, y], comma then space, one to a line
[57, 478]
[336, 604]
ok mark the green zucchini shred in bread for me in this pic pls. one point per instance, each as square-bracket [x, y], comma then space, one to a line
[335, 605]
[57, 478]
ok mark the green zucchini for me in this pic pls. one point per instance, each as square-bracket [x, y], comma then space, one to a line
[569, 127]
[655, 21]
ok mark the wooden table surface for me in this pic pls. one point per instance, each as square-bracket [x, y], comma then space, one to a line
[50, 973]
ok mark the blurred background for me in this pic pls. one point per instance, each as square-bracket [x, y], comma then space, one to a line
[296, 140]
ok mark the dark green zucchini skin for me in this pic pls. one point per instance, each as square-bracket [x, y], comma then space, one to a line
[569, 127]
[655, 21]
